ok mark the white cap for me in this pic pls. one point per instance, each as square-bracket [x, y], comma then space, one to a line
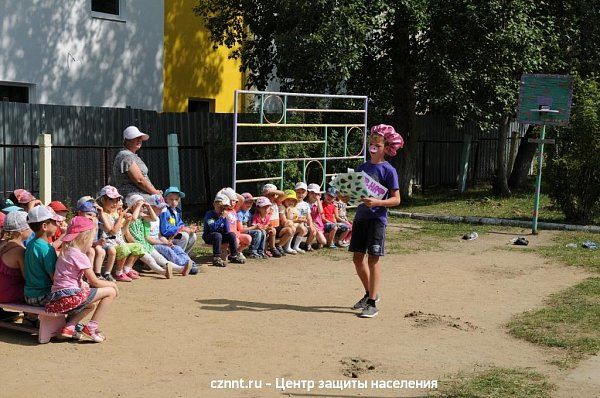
[16, 222]
[42, 213]
[133, 132]
[230, 193]
[300, 185]
[133, 199]
[223, 199]
[268, 187]
[263, 201]
[314, 188]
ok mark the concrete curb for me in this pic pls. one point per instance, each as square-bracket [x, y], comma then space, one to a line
[496, 221]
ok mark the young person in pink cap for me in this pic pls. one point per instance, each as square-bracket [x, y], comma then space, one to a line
[259, 236]
[70, 294]
[369, 224]
[24, 199]
[261, 220]
[313, 199]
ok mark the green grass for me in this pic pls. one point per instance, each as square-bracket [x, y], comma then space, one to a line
[570, 321]
[579, 256]
[480, 202]
[496, 383]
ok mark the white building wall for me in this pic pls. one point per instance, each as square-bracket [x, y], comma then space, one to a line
[70, 56]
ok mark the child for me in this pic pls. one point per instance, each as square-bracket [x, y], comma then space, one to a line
[136, 233]
[261, 220]
[370, 221]
[216, 232]
[235, 226]
[24, 199]
[89, 209]
[165, 247]
[293, 221]
[172, 225]
[62, 210]
[304, 214]
[342, 207]
[316, 213]
[12, 262]
[70, 294]
[277, 216]
[40, 256]
[332, 219]
[118, 251]
[258, 235]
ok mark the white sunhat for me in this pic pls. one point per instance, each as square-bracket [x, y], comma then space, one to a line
[301, 185]
[223, 199]
[133, 132]
[314, 188]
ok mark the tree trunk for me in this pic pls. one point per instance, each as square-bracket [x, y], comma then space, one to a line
[501, 183]
[522, 165]
[404, 99]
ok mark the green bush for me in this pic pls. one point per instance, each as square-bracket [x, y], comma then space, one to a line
[574, 164]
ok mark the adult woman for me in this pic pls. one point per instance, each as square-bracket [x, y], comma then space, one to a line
[129, 172]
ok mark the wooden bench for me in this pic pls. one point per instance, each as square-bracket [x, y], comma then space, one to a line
[50, 324]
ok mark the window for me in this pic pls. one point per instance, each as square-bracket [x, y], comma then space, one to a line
[106, 6]
[14, 93]
[201, 105]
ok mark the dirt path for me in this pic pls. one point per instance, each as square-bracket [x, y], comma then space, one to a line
[290, 318]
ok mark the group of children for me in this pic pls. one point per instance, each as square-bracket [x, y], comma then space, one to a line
[275, 224]
[73, 268]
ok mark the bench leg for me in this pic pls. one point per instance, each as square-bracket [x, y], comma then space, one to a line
[50, 326]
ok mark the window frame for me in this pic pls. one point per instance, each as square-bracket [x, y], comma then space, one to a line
[109, 17]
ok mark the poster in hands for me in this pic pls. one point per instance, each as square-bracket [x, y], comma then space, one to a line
[357, 185]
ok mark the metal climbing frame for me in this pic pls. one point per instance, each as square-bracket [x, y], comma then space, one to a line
[282, 123]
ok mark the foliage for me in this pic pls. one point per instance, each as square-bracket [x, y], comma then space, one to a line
[574, 164]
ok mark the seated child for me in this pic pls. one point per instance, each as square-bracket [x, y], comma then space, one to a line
[40, 256]
[172, 225]
[261, 220]
[235, 225]
[136, 233]
[12, 263]
[118, 251]
[293, 220]
[304, 214]
[342, 205]
[89, 209]
[333, 222]
[216, 232]
[165, 247]
[316, 213]
[258, 235]
[62, 210]
[70, 294]
[277, 217]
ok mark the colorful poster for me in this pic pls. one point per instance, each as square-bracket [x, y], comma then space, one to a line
[357, 185]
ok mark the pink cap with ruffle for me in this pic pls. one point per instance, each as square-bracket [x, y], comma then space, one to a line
[393, 140]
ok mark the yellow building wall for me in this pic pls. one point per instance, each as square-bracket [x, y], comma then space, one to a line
[192, 69]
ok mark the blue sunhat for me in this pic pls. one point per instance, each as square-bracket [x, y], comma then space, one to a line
[174, 190]
[12, 208]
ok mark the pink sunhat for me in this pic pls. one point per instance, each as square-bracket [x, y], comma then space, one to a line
[78, 225]
[393, 140]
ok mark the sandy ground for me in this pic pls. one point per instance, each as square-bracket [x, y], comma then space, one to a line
[290, 318]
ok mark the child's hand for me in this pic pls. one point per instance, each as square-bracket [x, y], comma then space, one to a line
[127, 217]
[193, 228]
[98, 208]
[371, 202]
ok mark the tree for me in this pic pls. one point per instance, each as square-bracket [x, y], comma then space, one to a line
[571, 50]
[475, 55]
[352, 46]
[574, 166]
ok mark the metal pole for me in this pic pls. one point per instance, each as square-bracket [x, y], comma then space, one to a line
[285, 109]
[345, 140]
[281, 180]
[262, 108]
[235, 127]
[538, 182]
[366, 129]
[45, 143]
[325, 161]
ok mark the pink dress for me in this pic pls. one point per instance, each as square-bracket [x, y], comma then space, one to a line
[316, 216]
[11, 283]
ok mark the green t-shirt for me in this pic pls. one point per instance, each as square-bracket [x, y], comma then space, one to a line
[40, 260]
[138, 231]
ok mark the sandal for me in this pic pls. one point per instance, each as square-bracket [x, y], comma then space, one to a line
[94, 335]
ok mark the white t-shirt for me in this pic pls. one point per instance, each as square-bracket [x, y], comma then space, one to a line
[303, 209]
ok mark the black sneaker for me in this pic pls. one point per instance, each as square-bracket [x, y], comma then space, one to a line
[254, 256]
[281, 251]
[275, 253]
[362, 303]
[194, 270]
[370, 311]
[237, 259]
[108, 277]
[218, 262]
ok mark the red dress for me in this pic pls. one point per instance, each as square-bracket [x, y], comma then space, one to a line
[11, 282]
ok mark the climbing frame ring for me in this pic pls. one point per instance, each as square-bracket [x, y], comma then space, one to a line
[362, 147]
[282, 109]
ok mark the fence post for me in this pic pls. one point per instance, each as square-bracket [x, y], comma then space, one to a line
[173, 153]
[45, 144]
[464, 163]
